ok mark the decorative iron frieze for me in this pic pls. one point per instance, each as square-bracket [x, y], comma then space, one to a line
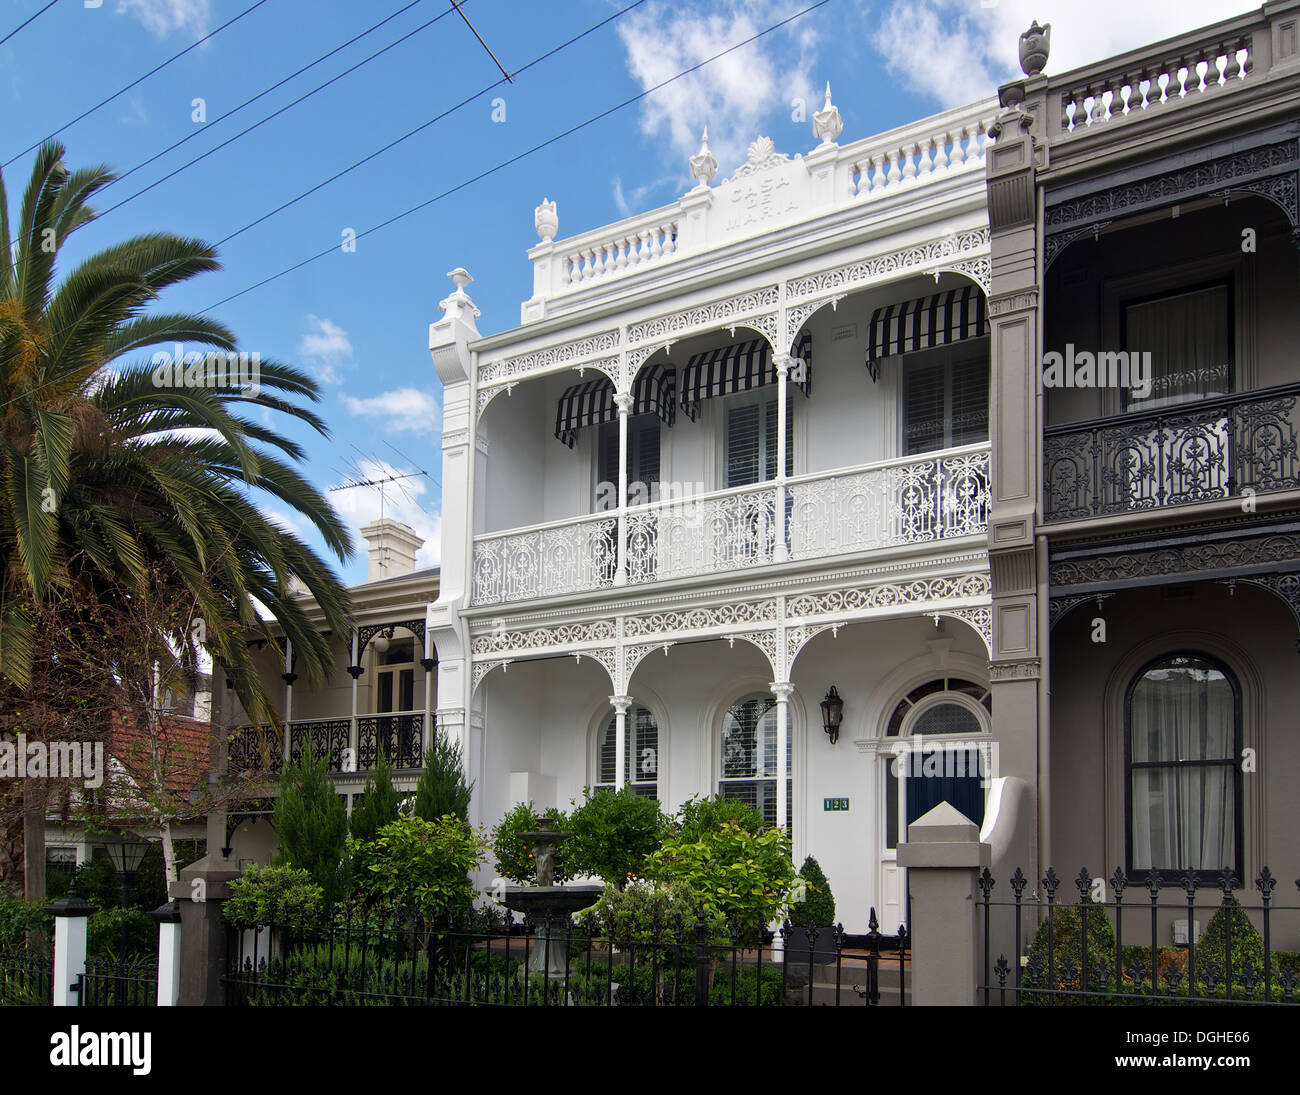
[1189, 559]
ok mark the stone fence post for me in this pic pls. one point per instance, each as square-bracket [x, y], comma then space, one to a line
[204, 941]
[943, 856]
[71, 918]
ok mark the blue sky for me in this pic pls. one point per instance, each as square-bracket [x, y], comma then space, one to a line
[359, 320]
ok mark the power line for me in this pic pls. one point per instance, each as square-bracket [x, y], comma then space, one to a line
[31, 19]
[275, 114]
[278, 84]
[482, 43]
[121, 91]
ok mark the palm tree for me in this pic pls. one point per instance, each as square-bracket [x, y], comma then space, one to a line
[108, 475]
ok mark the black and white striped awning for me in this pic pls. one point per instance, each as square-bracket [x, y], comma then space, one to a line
[737, 368]
[924, 323]
[592, 402]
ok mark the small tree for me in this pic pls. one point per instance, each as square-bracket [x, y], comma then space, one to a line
[698, 815]
[415, 864]
[442, 788]
[613, 833]
[312, 825]
[514, 855]
[816, 909]
[379, 805]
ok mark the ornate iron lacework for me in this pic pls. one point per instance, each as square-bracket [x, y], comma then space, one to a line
[1273, 551]
[1193, 452]
[1286, 587]
[888, 594]
[700, 619]
[1219, 176]
[566, 353]
[1059, 606]
[369, 631]
[324, 739]
[854, 274]
[400, 737]
[542, 637]
[744, 308]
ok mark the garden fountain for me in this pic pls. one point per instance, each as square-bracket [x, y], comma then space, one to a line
[548, 905]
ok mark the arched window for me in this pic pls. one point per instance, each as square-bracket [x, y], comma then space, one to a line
[641, 763]
[1182, 776]
[748, 756]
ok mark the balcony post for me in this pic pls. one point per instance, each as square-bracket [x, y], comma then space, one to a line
[782, 690]
[621, 704]
[781, 554]
[430, 663]
[623, 400]
[289, 676]
[354, 671]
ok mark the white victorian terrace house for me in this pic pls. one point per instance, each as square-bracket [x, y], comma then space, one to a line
[734, 457]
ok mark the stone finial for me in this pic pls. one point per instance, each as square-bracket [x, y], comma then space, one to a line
[704, 164]
[459, 304]
[827, 123]
[1035, 45]
[546, 220]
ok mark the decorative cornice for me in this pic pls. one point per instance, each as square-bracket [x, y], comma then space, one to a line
[452, 439]
[1024, 669]
[1018, 301]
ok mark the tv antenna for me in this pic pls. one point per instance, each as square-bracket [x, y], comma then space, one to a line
[361, 480]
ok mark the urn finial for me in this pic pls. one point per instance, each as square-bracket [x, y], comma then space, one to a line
[546, 220]
[459, 304]
[704, 164]
[827, 123]
[1035, 45]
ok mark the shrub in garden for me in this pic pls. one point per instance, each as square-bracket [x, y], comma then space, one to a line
[442, 788]
[817, 907]
[97, 883]
[1244, 939]
[312, 825]
[742, 876]
[1061, 965]
[613, 834]
[698, 815]
[514, 855]
[378, 804]
[421, 865]
[19, 916]
[104, 933]
[265, 895]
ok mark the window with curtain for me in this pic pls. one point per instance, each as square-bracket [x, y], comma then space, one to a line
[945, 403]
[748, 761]
[641, 759]
[1182, 771]
[1189, 337]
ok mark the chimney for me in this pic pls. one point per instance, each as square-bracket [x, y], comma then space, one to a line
[392, 548]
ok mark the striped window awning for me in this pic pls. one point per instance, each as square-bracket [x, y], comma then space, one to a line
[738, 368]
[924, 323]
[592, 402]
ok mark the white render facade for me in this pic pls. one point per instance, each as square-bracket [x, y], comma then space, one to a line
[672, 596]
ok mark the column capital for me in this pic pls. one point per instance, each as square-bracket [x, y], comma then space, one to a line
[623, 401]
[782, 690]
[621, 704]
[782, 363]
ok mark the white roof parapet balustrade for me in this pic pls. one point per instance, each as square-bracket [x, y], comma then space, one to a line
[770, 190]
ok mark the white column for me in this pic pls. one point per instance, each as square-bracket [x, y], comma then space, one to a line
[781, 690]
[782, 368]
[429, 667]
[623, 401]
[620, 705]
[70, 922]
[354, 671]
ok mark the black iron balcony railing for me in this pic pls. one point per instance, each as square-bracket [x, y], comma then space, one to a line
[1198, 452]
[400, 737]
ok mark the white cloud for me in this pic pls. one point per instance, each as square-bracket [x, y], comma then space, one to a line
[635, 201]
[161, 17]
[327, 347]
[956, 51]
[402, 501]
[732, 95]
[404, 410]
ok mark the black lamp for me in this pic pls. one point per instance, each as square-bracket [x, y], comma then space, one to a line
[832, 714]
[126, 852]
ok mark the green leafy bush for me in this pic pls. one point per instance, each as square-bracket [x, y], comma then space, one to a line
[1061, 965]
[736, 874]
[514, 855]
[97, 883]
[442, 788]
[378, 805]
[265, 895]
[18, 917]
[817, 909]
[698, 815]
[104, 933]
[312, 825]
[419, 865]
[613, 834]
[1247, 946]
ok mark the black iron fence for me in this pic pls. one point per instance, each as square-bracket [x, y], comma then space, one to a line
[26, 977]
[400, 737]
[111, 982]
[1125, 941]
[369, 957]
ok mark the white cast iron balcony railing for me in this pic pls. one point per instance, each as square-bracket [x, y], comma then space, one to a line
[914, 500]
[1193, 452]
[399, 735]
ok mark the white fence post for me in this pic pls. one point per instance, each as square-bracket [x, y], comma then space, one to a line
[168, 917]
[71, 916]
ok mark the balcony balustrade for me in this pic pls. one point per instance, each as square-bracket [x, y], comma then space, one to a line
[1211, 449]
[899, 502]
[399, 736]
